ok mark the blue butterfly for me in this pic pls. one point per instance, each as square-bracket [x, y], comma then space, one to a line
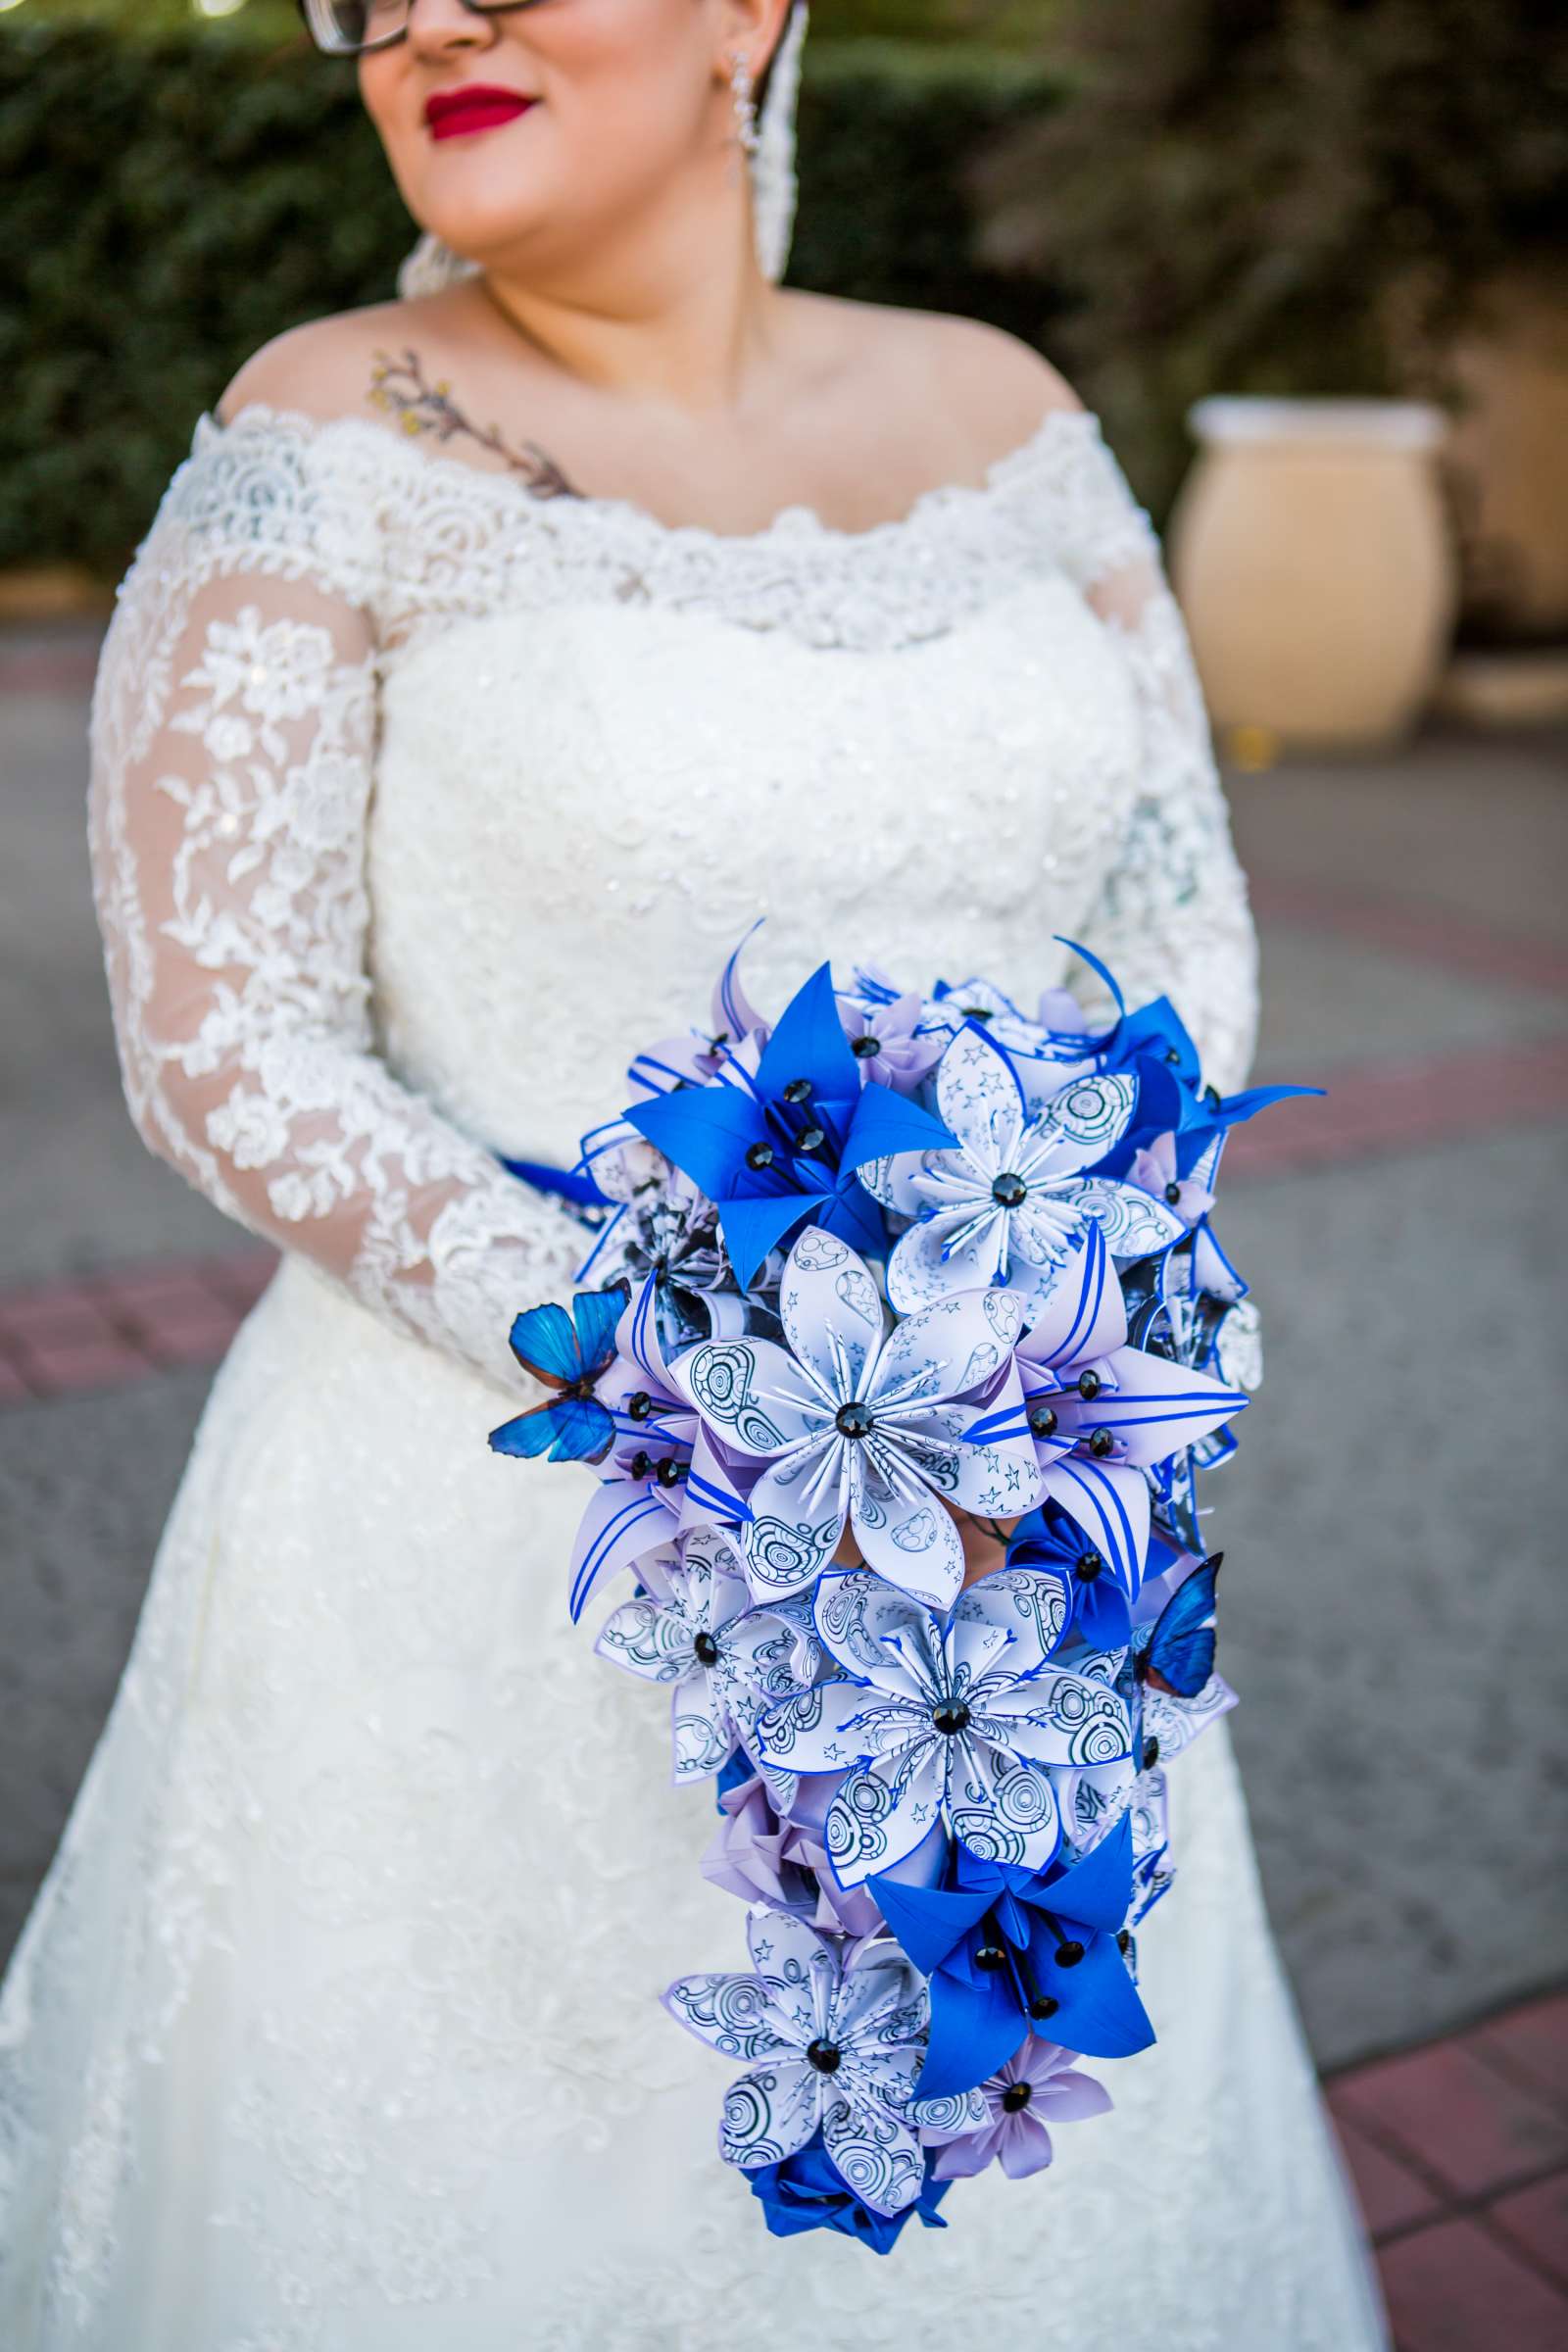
[568, 1353]
[1179, 1654]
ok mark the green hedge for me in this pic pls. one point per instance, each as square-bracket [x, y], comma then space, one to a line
[173, 203]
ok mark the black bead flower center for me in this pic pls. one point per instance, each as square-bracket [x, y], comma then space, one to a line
[1088, 1566]
[1043, 1420]
[639, 1405]
[1018, 2096]
[811, 1139]
[1069, 1954]
[865, 1048]
[669, 1473]
[854, 1420]
[1009, 1190]
[950, 1717]
[1173, 1193]
[1100, 1444]
[799, 1090]
[760, 1155]
[1089, 1386]
[1042, 2005]
[991, 1957]
[707, 1650]
[825, 2056]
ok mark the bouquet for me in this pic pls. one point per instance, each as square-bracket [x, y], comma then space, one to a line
[888, 1267]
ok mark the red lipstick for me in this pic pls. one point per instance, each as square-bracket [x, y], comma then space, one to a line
[476, 106]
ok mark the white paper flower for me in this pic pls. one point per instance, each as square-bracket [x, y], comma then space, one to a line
[859, 1424]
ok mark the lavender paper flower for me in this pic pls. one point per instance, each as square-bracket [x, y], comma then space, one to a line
[766, 1856]
[955, 1723]
[824, 2045]
[1039, 2087]
[856, 1424]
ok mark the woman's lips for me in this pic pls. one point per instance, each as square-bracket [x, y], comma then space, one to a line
[451, 113]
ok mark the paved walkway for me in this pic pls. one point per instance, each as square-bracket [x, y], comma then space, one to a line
[1460, 2152]
[1394, 1613]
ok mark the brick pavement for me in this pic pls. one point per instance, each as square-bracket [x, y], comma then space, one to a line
[1459, 2150]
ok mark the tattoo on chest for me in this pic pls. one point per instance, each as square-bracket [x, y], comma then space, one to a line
[426, 408]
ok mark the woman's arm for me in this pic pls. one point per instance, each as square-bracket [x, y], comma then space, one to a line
[232, 733]
[1172, 918]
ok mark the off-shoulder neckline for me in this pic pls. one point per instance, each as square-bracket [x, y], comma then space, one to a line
[798, 521]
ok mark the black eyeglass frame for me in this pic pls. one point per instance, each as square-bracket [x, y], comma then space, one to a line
[315, 14]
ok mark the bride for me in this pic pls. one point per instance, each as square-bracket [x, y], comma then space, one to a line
[496, 657]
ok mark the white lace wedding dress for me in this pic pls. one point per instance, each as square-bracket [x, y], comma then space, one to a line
[418, 801]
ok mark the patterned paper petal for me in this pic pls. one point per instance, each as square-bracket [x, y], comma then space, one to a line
[978, 1091]
[768, 1652]
[1176, 1721]
[872, 1628]
[881, 1813]
[1063, 1718]
[644, 1640]
[949, 1347]
[1029, 1607]
[751, 1391]
[948, 2117]
[798, 1970]
[829, 1727]
[730, 2013]
[831, 1310]
[911, 1539]
[922, 1269]
[881, 2005]
[999, 1478]
[1134, 1223]
[769, 2113]
[794, 1525]
[1088, 1119]
[891, 1181]
[1005, 1812]
[703, 1734]
[715, 1576]
[877, 2154]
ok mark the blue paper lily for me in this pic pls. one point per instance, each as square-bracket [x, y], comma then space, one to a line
[782, 1144]
[1008, 1950]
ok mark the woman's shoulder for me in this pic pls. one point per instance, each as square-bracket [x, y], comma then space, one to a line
[321, 369]
[984, 383]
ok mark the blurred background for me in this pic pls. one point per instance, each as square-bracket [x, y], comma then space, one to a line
[1309, 259]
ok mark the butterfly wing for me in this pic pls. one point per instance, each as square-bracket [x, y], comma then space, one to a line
[597, 1314]
[583, 1429]
[1180, 1656]
[530, 1435]
[545, 1344]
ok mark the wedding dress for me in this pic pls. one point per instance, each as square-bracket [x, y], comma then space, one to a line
[419, 802]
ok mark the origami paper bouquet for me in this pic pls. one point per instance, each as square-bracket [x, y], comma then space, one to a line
[869, 1286]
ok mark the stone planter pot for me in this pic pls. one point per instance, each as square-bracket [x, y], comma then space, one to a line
[1310, 551]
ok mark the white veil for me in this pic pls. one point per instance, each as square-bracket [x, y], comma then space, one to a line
[432, 264]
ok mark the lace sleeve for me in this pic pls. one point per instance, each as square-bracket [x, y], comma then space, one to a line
[232, 737]
[1173, 917]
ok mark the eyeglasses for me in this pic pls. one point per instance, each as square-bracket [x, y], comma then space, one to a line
[346, 27]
